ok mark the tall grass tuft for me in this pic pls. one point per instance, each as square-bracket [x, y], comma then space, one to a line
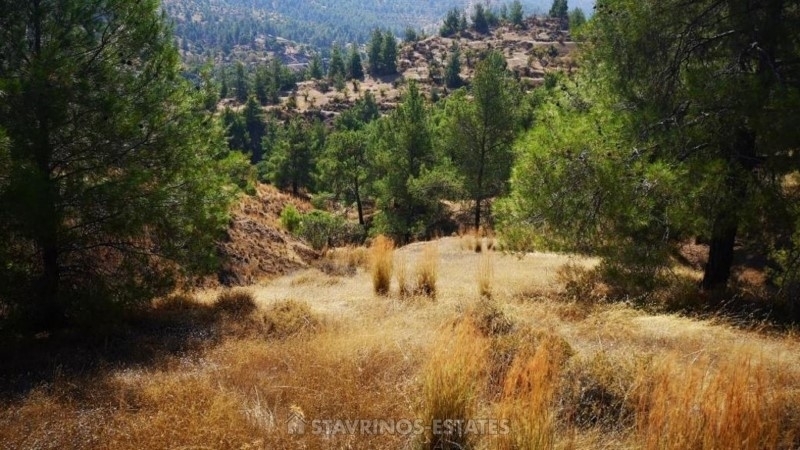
[485, 275]
[428, 270]
[401, 273]
[381, 253]
[700, 406]
[453, 379]
[237, 303]
[528, 391]
[290, 318]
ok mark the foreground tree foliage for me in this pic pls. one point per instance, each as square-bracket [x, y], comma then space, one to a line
[688, 128]
[108, 183]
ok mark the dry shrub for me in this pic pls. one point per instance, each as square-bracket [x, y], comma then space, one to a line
[427, 271]
[401, 273]
[290, 318]
[235, 303]
[471, 240]
[381, 253]
[334, 267]
[597, 391]
[452, 384]
[177, 302]
[356, 256]
[699, 406]
[520, 343]
[527, 401]
[490, 318]
[344, 261]
[579, 283]
[181, 308]
[485, 275]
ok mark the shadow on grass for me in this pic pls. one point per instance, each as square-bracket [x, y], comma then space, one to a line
[174, 328]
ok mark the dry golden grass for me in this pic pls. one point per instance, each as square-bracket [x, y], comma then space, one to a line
[428, 271]
[527, 401]
[404, 288]
[703, 405]
[381, 253]
[344, 261]
[569, 374]
[237, 303]
[452, 383]
[485, 276]
[290, 318]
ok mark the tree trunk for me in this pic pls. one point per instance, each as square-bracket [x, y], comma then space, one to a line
[358, 202]
[48, 309]
[720, 257]
[477, 214]
[726, 224]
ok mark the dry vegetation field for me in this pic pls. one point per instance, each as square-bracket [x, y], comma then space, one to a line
[474, 335]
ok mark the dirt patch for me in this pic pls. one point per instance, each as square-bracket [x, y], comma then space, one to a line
[256, 246]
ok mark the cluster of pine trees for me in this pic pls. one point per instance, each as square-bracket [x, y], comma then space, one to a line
[404, 163]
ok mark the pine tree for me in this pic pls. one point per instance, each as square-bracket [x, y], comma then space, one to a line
[389, 54]
[452, 23]
[479, 21]
[223, 90]
[315, 71]
[411, 180]
[344, 166]
[113, 179]
[675, 132]
[452, 76]
[560, 10]
[364, 111]
[256, 129]
[235, 130]
[516, 15]
[376, 66]
[261, 87]
[242, 91]
[483, 131]
[355, 70]
[576, 18]
[292, 158]
[337, 68]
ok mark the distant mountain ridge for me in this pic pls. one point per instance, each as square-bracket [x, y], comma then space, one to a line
[320, 22]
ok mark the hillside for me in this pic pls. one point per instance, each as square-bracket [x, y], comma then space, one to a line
[256, 247]
[531, 53]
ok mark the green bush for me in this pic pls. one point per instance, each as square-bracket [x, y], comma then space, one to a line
[321, 229]
[318, 228]
[322, 200]
[240, 171]
[290, 218]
